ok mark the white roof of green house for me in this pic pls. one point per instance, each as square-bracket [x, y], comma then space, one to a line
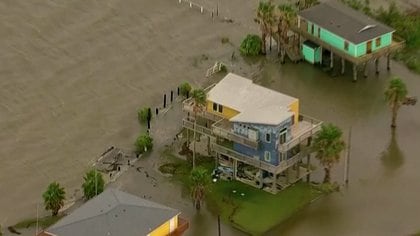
[113, 213]
[345, 22]
[255, 104]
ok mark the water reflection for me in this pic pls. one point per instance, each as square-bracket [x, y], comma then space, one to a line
[392, 158]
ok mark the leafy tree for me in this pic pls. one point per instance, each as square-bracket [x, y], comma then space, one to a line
[199, 179]
[266, 19]
[185, 89]
[328, 145]
[94, 184]
[199, 103]
[143, 143]
[143, 115]
[251, 45]
[396, 95]
[54, 198]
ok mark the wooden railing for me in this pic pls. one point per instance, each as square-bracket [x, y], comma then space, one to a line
[219, 132]
[181, 228]
[258, 163]
[198, 128]
[315, 126]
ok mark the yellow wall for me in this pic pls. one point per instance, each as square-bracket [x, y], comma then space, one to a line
[163, 230]
[227, 112]
[294, 107]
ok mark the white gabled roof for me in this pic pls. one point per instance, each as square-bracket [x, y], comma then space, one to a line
[255, 104]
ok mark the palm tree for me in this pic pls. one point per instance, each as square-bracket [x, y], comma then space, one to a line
[287, 16]
[199, 179]
[396, 95]
[328, 145]
[54, 198]
[93, 185]
[265, 18]
[199, 101]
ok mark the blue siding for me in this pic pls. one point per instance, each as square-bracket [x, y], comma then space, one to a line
[264, 146]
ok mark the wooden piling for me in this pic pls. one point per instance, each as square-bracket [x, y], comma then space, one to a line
[377, 65]
[388, 61]
[164, 101]
[354, 72]
[332, 60]
[343, 64]
[365, 72]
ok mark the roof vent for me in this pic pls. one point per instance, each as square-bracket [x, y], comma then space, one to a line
[367, 27]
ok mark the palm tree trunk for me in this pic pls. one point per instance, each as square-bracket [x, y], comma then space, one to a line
[394, 115]
[327, 177]
[194, 138]
[263, 37]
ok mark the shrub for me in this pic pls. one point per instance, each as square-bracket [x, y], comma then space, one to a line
[185, 89]
[143, 143]
[143, 114]
[251, 45]
[93, 185]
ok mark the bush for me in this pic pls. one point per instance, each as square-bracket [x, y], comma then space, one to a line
[143, 114]
[185, 89]
[143, 143]
[94, 184]
[251, 45]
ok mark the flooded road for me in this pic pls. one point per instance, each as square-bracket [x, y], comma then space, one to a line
[74, 72]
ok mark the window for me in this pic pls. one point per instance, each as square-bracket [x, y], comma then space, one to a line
[220, 108]
[283, 134]
[312, 29]
[378, 42]
[319, 32]
[268, 137]
[281, 156]
[267, 156]
[214, 106]
[293, 119]
[346, 45]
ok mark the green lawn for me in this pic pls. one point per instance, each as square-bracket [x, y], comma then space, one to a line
[250, 209]
[256, 211]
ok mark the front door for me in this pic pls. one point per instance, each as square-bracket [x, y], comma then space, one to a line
[369, 47]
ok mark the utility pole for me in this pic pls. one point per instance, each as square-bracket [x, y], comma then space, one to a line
[218, 225]
[347, 162]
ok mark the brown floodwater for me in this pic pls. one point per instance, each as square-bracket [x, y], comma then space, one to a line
[74, 72]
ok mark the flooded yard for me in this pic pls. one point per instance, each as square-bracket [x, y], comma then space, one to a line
[74, 73]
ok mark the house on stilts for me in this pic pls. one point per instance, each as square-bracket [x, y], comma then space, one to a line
[257, 133]
[346, 33]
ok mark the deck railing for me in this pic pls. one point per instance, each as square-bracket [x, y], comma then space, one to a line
[256, 162]
[315, 126]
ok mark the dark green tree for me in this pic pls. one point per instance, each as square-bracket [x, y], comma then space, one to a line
[199, 181]
[185, 89]
[251, 45]
[328, 145]
[94, 184]
[199, 102]
[54, 198]
[143, 143]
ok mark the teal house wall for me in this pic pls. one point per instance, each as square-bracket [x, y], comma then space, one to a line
[339, 43]
[311, 54]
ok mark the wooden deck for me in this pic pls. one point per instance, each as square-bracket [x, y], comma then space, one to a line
[395, 46]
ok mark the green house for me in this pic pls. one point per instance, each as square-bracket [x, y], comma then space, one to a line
[346, 29]
[336, 28]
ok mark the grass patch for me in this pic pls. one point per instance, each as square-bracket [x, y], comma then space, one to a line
[240, 209]
[43, 222]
